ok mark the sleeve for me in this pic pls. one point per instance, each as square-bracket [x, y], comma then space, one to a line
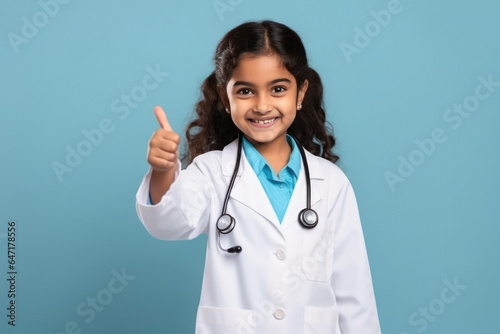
[183, 212]
[351, 278]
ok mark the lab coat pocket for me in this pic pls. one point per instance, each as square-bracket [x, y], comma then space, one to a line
[317, 257]
[215, 320]
[320, 320]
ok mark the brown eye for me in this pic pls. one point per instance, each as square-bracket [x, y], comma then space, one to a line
[279, 89]
[244, 91]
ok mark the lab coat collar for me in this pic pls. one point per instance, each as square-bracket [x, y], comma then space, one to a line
[229, 160]
[254, 198]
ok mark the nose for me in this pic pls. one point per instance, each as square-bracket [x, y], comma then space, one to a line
[263, 104]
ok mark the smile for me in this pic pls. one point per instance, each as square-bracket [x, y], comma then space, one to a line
[266, 121]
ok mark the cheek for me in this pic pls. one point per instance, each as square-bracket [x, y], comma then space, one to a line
[237, 117]
[232, 101]
[287, 106]
[240, 105]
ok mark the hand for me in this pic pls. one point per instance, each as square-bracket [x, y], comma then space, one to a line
[163, 153]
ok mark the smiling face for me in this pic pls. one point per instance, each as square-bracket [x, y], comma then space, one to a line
[262, 99]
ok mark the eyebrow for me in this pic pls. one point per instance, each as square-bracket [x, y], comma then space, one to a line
[275, 81]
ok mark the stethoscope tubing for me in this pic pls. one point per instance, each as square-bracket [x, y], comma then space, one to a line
[308, 218]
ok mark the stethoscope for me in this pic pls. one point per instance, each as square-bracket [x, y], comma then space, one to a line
[308, 218]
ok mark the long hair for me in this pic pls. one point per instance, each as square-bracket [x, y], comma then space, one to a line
[213, 128]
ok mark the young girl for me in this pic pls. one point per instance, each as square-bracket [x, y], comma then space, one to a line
[285, 251]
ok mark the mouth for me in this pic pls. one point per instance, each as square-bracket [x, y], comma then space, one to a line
[264, 122]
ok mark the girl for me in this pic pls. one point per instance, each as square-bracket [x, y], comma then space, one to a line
[285, 250]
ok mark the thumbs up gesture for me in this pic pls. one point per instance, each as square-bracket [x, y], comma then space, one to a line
[163, 151]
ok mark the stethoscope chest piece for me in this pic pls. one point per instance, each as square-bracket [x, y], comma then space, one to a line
[225, 223]
[308, 218]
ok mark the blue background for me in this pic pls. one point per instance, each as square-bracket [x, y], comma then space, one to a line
[73, 231]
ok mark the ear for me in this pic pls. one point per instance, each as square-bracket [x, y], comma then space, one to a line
[302, 92]
[223, 96]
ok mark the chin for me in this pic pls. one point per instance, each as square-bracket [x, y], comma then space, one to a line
[264, 138]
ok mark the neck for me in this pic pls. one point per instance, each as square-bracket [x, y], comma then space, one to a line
[277, 153]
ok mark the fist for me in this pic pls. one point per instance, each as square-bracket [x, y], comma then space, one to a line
[163, 153]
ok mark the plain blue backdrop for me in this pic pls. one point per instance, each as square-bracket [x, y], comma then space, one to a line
[412, 89]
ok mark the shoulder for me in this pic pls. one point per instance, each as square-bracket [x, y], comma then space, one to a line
[216, 160]
[208, 157]
[321, 168]
[207, 161]
[333, 184]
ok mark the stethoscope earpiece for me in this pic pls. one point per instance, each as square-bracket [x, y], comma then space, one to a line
[235, 249]
[308, 218]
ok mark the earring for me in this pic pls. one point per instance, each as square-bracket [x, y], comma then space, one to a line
[227, 110]
[299, 107]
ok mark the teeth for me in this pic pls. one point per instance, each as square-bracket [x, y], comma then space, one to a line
[264, 122]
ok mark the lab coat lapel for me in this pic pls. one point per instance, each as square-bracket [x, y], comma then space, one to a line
[298, 201]
[247, 188]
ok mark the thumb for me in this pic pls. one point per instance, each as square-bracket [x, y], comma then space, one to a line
[162, 118]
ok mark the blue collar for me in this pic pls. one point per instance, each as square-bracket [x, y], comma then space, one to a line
[258, 162]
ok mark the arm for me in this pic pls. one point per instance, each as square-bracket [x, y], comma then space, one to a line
[182, 212]
[160, 183]
[171, 215]
[351, 279]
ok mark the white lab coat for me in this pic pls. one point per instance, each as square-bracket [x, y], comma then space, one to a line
[287, 279]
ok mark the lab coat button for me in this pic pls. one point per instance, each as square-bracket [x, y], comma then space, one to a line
[281, 255]
[279, 314]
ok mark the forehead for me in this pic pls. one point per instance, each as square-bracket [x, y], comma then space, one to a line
[260, 69]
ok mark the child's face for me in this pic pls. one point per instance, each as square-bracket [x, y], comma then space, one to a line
[263, 100]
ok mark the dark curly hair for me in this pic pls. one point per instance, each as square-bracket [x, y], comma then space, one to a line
[213, 128]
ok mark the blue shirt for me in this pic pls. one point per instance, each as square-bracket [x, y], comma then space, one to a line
[278, 187]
